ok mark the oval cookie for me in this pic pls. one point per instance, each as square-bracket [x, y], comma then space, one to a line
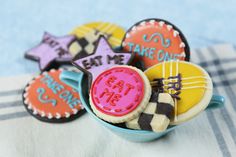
[50, 100]
[155, 40]
[120, 94]
[88, 34]
[189, 85]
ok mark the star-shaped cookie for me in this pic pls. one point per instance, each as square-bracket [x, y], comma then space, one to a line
[51, 49]
[103, 58]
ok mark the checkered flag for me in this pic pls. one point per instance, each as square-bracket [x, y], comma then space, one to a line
[84, 46]
[156, 117]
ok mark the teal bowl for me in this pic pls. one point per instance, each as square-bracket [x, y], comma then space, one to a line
[80, 82]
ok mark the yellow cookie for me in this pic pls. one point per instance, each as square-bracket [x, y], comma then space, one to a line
[188, 83]
[88, 34]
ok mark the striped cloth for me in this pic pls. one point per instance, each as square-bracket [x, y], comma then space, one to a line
[212, 133]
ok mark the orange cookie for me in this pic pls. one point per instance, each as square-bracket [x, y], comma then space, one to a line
[50, 100]
[155, 40]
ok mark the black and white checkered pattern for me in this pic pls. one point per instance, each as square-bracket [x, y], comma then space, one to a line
[215, 129]
[156, 116]
[85, 46]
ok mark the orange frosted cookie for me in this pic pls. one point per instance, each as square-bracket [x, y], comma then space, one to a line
[155, 40]
[48, 99]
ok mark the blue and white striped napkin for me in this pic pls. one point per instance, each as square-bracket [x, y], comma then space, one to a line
[212, 133]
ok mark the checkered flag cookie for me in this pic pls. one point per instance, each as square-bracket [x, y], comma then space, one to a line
[156, 117]
[84, 46]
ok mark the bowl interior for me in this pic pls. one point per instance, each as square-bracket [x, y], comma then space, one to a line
[119, 130]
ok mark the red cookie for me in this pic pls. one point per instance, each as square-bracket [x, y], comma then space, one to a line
[155, 40]
[48, 99]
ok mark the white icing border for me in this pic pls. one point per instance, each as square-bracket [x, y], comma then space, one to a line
[136, 112]
[169, 27]
[49, 115]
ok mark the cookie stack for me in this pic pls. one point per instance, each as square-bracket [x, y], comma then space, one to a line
[140, 78]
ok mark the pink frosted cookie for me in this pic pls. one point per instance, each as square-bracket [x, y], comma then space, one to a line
[120, 94]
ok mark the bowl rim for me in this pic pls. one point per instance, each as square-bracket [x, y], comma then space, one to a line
[113, 127]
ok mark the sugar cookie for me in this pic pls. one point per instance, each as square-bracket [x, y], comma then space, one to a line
[50, 100]
[120, 94]
[189, 85]
[51, 52]
[155, 40]
[156, 116]
[102, 58]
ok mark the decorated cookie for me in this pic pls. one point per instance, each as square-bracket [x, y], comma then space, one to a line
[88, 34]
[103, 58]
[189, 85]
[51, 50]
[120, 94]
[156, 116]
[154, 41]
[50, 100]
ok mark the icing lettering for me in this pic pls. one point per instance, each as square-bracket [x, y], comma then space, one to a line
[55, 44]
[149, 52]
[69, 99]
[102, 58]
[53, 85]
[117, 59]
[120, 86]
[57, 89]
[111, 96]
[130, 46]
[97, 61]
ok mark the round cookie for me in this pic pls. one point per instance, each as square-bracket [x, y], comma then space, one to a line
[88, 34]
[50, 100]
[189, 85]
[120, 94]
[155, 40]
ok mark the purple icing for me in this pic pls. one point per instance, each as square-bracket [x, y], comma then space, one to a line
[51, 48]
[102, 59]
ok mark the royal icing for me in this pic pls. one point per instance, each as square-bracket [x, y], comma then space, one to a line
[48, 97]
[102, 58]
[187, 83]
[88, 34]
[117, 91]
[51, 49]
[154, 41]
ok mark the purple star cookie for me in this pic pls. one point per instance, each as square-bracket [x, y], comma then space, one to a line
[51, 49]
[103, 58]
